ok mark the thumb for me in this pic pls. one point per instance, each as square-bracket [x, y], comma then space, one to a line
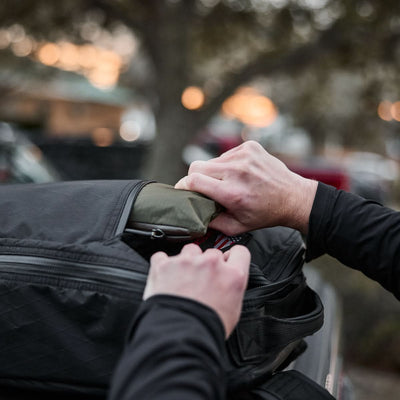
[227, 224]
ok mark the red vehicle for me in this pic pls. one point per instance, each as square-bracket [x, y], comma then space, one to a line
[322, 171]
[209, 146]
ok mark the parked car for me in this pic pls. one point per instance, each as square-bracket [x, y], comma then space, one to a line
[21, 161]
[372, 175]
[209, 146]
[322, 171]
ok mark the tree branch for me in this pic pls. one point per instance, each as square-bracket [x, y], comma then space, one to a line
[270, 63]
[119, 13]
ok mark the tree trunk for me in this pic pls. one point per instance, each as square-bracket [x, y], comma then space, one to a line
[164, 162]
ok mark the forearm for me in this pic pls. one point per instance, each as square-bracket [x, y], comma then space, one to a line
[360, 233]
[176, 352]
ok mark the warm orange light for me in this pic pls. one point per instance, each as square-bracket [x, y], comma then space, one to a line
[193, 98]
[384, 110]
[69, 57]
[395, 110]
[110, 58]
[101, 67]
[102, 137]
[87, 56]
[103, 78]
[49, 54]
[250, 107]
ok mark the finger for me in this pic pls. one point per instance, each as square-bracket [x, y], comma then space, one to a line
[181, 184]
[209, 168]
[227, 224]
[214, 253]
[239, 257]
[191, 249]
[226, 255]
[214, 188]
[158, 258]
[231, 154]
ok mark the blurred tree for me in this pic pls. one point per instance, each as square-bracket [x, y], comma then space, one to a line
[219, 45]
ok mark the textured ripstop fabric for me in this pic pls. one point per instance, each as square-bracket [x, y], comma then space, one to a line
[160, 204]
[62, 212]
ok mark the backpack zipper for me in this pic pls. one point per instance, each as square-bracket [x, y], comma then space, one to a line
[96, 274]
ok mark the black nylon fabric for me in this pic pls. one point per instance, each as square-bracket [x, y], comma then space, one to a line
[70, 286]
[279, 309]
[59, 309]
[68, 212]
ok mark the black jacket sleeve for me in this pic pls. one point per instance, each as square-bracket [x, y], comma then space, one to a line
[175, 352]
[360, 233]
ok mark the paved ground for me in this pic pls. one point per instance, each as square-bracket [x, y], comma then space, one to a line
[369, 384]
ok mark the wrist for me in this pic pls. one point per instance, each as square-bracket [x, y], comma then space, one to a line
[301, 200]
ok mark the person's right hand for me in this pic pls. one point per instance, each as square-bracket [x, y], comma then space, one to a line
[256, 189]
[213, 278]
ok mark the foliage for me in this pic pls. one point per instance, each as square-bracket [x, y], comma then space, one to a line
[222, 44]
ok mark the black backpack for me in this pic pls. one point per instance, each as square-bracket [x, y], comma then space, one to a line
[72, 277]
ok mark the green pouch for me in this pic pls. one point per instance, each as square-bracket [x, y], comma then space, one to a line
[161, 211]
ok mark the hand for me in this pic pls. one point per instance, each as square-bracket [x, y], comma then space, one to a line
[213, 278]
[256, 189]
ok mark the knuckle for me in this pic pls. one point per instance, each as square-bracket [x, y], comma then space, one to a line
[157, 268]
[236, 198]
[185, 258]
[238, 279]
[212, 257]
[250, 148]
[252, 145]
[242, 170]
[191, 247]
[195, 166]
[193, 180]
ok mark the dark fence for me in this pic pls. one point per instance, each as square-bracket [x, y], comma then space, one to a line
[76, 160]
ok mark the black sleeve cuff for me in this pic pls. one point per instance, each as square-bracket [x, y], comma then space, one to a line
[320, 216]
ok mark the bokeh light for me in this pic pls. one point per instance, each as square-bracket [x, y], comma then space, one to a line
[49, 54]
[69, 56]
[384, 110]
[193, 98]
[250, 107]
[101, 67]
[23, 47]
[103, 137]
[130, 131]
[395, 110]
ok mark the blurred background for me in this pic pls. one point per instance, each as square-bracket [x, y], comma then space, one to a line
[94, 89]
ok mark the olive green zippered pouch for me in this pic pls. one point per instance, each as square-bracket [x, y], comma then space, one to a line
[161, 211]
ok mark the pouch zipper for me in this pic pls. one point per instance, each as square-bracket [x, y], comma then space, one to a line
[158, 233]
[73, 271]
[130, 199]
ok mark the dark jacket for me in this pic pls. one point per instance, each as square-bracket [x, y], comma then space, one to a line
[177, 345]
[361, 234]
[175, 353]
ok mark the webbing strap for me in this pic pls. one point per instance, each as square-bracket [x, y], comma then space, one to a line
[255, 337]
[290, 385]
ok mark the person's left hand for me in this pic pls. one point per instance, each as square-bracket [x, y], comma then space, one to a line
[213, 278]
